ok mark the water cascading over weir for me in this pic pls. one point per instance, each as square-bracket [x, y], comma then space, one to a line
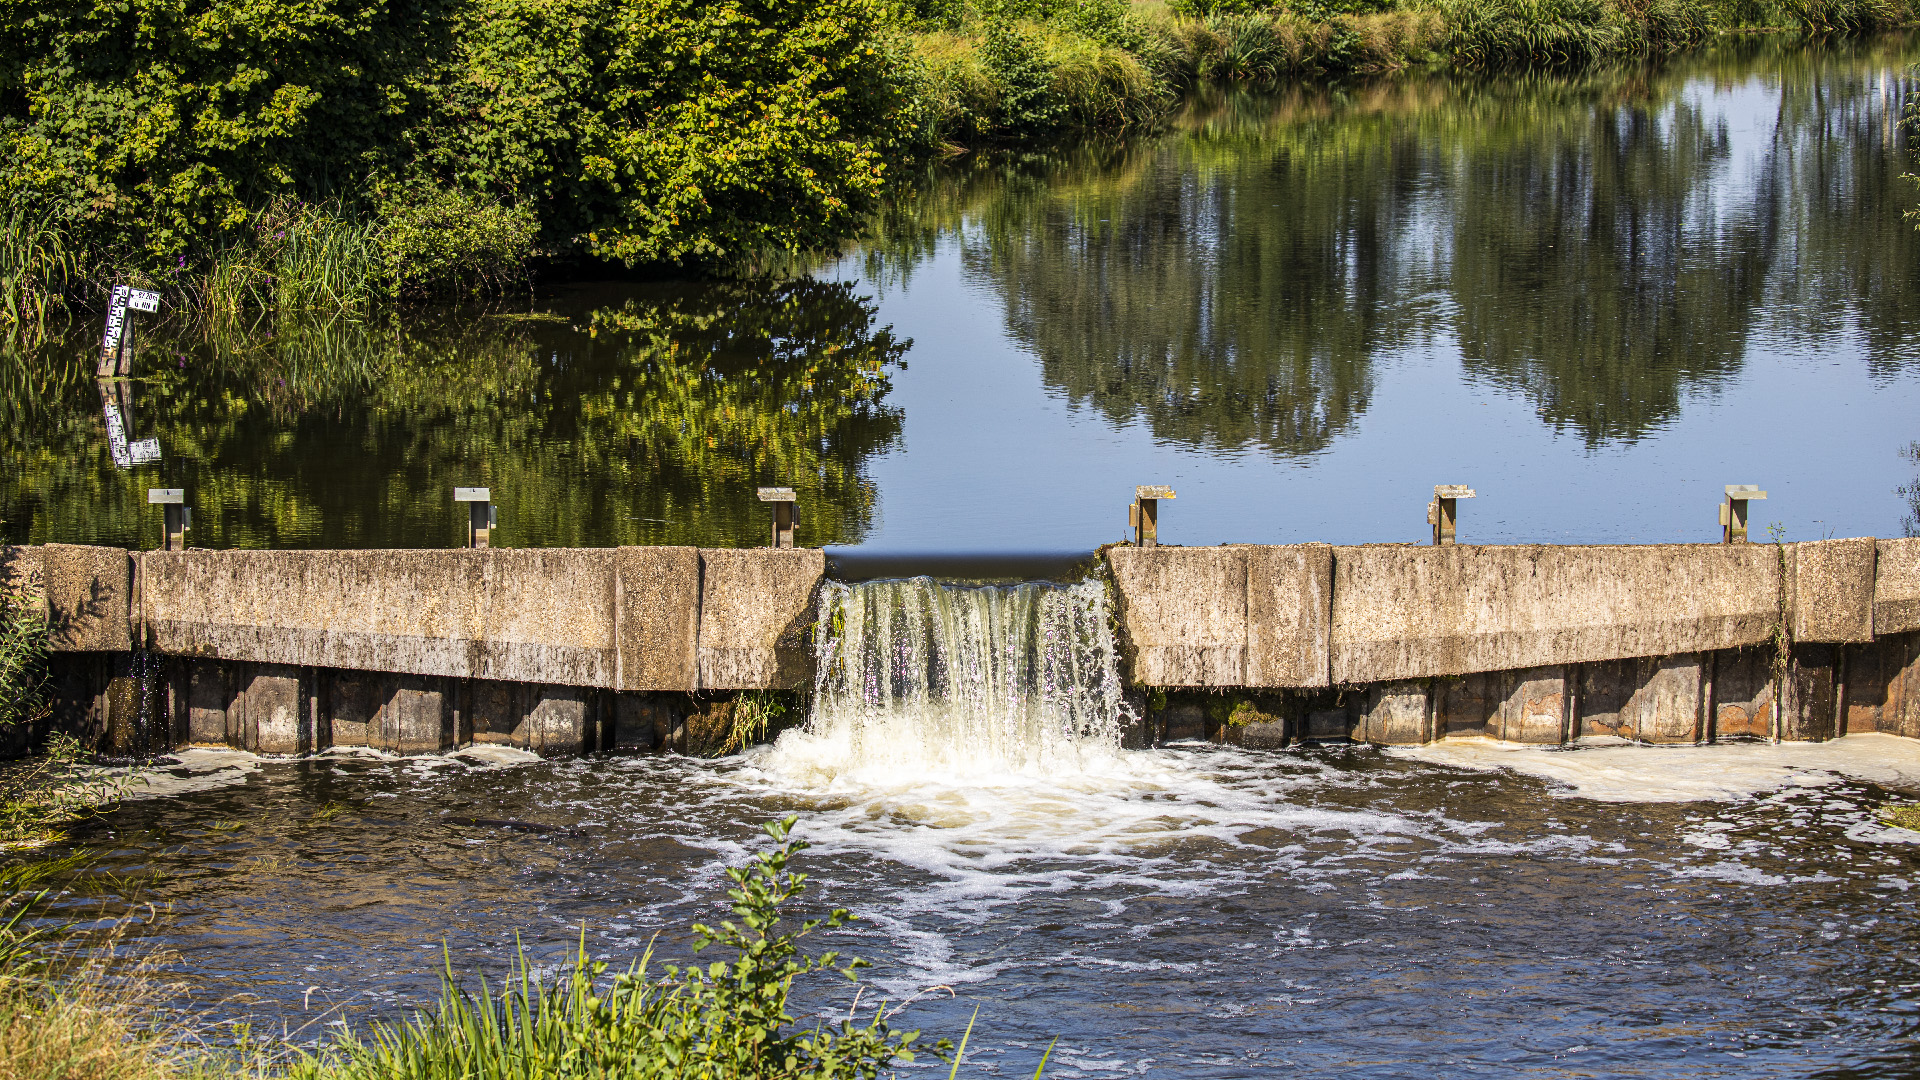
[917, 675]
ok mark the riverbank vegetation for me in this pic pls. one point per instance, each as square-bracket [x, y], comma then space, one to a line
[66, 1015]
[332, 155]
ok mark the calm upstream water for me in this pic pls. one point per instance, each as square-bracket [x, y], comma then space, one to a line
[1595, 299]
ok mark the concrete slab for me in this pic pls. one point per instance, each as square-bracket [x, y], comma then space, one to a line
[1184, 614]
[1289, 615]
[1402, 612]
[659, 618]
[542, 615]
[756, 617]
[89, 591]
[1394, 714]
[1833, 590]
[1896, 587]
[20, 572]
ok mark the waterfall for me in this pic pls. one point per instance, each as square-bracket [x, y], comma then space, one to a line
[913, 675]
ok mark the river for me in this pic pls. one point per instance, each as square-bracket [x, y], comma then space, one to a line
[1595, 298]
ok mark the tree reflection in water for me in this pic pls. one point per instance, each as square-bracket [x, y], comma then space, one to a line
[647, 421]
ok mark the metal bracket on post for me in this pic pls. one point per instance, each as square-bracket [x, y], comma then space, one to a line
[1143, 517]
[784, 515]
[1441, 513]
[177, 514]
[1733, 512]
[480, 515]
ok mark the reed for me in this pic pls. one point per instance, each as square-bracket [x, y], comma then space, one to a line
[38, 263]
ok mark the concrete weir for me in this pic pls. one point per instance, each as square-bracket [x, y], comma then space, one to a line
[571, 650]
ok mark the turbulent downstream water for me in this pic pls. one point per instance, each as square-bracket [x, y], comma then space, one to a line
[1188, 911]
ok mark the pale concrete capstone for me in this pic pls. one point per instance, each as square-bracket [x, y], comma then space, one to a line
[659, 618]
[89, 598]
[1184, 611]
[1402, 612]
[20, 574]
[1896, 587]
[526, 615]
[1289, 615]
[1833, 590]
[757, 609]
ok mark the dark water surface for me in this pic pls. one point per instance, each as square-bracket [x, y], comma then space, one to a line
[1596, 299]
[1187, 912]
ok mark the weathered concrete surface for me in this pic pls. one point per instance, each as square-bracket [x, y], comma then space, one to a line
[275, 710]
[659, 618]
[1402, 612]
[1808, 704]
[1394, 714]
[417, 714]
[89, 598]
[1289, 615]
[1184, 614]
[1833, 590]
[1652, 699]
[1896, 587]
[756, 616]
[534, 615]
[1743, 694]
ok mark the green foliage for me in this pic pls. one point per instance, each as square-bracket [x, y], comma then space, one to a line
[23, 658]
[1028, 107]
[1208, 9]
[37, 261]
[1827, 17]
[755, 714]
[1901, 815]
[679, 131]
[447, 241]
[722, 1020]
[1526, 33]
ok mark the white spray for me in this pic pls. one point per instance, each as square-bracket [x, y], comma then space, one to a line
[918, 678]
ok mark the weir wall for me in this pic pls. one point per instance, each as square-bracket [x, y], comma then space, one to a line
[568, 650]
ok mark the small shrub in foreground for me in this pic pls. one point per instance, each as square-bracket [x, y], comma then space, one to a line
[726, 1019]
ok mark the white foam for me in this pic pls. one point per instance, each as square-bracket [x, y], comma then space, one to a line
[493, 755]
[1724, 772]
[184, 772]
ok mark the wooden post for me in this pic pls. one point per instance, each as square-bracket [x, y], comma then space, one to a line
[1733, 512]
[176, 516]
[1144, 516]
[784, 515]
[480, 516]
[1441, 513]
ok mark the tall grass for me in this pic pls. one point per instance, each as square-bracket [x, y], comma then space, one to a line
[298, 256]
[38, 262]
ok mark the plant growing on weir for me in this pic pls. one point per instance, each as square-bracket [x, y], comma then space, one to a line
[724, 1020]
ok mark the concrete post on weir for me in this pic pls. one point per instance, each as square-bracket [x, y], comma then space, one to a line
[1733, 512]
[480, 516]
[783, 501]
[1143, 517]
[176, 514]
[1440, 512]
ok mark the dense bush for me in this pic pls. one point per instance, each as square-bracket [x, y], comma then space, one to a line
[648, 131]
